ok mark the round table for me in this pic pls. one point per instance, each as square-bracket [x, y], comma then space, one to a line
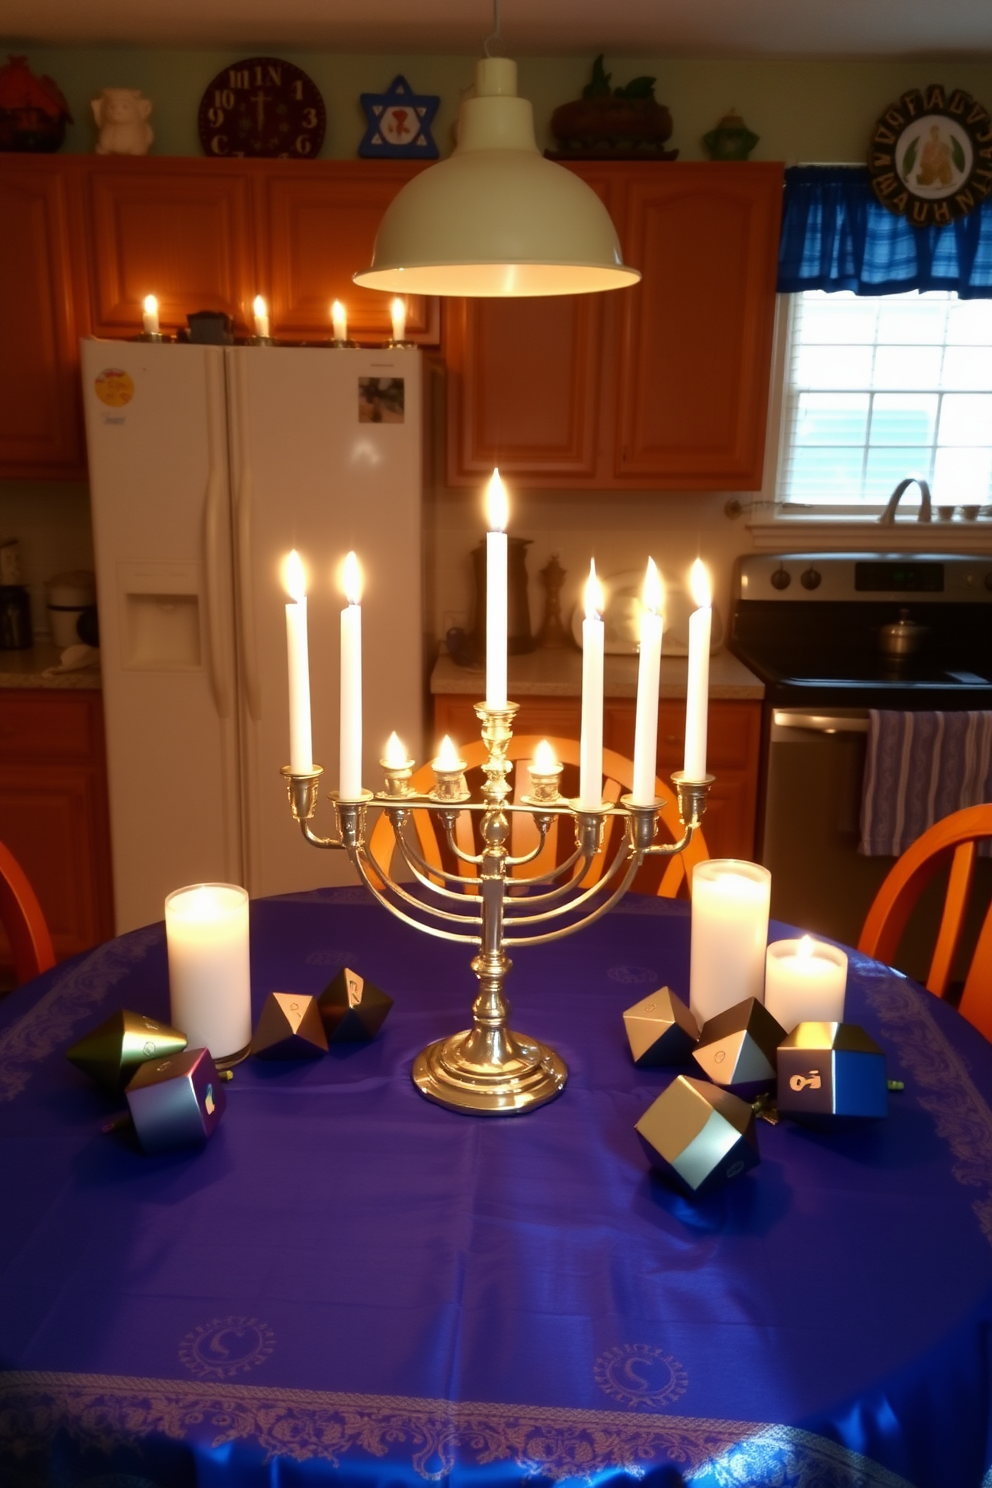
[348, 1284]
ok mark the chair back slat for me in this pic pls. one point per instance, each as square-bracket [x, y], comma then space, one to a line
[952, 919]
[24, 920]
[976, 999]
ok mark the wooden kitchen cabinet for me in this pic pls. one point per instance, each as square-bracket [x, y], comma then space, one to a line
[661, 386]
[42, 312]
[733, 748]
[53, 811]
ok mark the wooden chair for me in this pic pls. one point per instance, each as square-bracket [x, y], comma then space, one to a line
[953, 841]
[618, 777]
[23, 919]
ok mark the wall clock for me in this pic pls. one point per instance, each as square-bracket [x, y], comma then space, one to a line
[262, 106]
[930, 157]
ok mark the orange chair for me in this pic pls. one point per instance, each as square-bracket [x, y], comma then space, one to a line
[954, 841]
[23, 919]
[618, 777]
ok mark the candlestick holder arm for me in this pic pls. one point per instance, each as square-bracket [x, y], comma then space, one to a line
[589, 919]
[364, 856]
[523, 905]
[419, 866]
[400, 914]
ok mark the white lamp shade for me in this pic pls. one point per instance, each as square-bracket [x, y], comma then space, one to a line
[496, 218]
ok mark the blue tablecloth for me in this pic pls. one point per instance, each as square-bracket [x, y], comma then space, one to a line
[351, 1285]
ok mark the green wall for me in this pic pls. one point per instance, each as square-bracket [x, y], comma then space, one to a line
[803, 110]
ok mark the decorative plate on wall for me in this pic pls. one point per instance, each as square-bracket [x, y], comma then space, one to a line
[262, 107]
[930, 157]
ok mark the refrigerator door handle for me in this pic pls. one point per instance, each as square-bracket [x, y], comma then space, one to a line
[242, 517]
[213, 524]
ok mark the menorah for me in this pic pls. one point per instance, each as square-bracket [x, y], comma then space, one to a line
[489, 1068]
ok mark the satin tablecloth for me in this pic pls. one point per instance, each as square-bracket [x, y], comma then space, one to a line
[349, 1285]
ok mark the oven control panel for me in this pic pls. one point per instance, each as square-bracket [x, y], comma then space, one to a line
[921, 577]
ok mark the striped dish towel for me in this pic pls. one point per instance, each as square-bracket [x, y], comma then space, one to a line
[920, 767]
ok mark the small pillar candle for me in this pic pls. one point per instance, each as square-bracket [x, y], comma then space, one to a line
[496, 593]
[298, 655]
[698, 685]
[206, 928]
[805, 981]
[350, 757]
[730, 900]
[591, 739]
[397, 313]
[261, 313]
[648, 679]
[149, 318]
[339, 321]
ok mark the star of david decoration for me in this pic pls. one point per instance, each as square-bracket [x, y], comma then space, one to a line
[399, 124]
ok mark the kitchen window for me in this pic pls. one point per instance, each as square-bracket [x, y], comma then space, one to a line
[875, 388]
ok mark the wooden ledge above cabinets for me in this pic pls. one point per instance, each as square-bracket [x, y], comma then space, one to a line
[86, 237]
[663, 386]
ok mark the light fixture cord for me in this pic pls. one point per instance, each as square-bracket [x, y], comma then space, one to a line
[494, 35]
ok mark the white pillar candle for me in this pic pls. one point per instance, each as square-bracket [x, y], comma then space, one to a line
[339, 321]
[149, 318]
[648, 678]
[591, 740]
[805, 980]
[261, 313]
[206, 928]
[298, 655]
[496, 593]
[697, 691]
[729, 934]
[397, 313]
[350, 757]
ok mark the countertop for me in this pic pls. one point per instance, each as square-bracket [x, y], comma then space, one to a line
[26, 669]
[559, 674]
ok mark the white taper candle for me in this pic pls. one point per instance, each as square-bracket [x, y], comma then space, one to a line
[339, 321]
[298, 655]
[496, 593]
[350, 757]
[648, 680]
[261, 313]
[591, 743]
[149, 318]
[697, 690]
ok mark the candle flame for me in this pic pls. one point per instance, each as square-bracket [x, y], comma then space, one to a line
[339, 320]
[545, 761]
[151, 305]
[259, 306]
[396, 755]
[699, 585]
[448, 757]
[594, 599]
[351, 579]
[294, 576]
[654, 591]
[497, 507]
[804, 951]
[397, 312]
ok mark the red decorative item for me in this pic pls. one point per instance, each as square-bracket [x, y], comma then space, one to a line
[33, 112]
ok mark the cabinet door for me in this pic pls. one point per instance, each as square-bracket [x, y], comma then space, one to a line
[525, 384]
[177, 229]
[40, 410]
[317, 227]
[696, 347]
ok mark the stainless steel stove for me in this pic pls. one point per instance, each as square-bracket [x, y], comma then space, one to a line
[815, 628]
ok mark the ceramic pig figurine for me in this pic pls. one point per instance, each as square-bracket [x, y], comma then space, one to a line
[122, 118]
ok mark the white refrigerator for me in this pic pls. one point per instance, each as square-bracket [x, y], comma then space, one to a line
[207, 466]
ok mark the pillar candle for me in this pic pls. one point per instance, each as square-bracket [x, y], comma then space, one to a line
[150, 317]
[261, 313]
[206, 928]
[300, 735]
[729, 934]
[496, 593]
[697, 690]
[648, 678]
[591, 740]
[397, 312]
[805, 980]
[350, 758]
[339, 321]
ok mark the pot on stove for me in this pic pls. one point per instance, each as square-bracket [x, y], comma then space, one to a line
[903, 637]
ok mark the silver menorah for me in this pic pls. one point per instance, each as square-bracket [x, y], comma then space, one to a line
[489, 1069]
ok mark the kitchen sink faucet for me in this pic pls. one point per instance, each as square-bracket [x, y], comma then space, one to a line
[888, 517]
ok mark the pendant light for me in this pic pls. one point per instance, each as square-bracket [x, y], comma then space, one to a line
[496, 218]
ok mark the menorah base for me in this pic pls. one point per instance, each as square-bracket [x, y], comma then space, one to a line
[529, 1075]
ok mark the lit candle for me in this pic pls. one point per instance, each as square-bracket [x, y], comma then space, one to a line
[545, 761]
[805, 980]
[447, 757]
[591, 742]
[729, 934]
[397, 311]
[395, 756]
[300, 738]
[697, 691]
[350, 758]
[206, 929]
[261, 317]
[496, 601]
[339, 320]
[648, 678]
[150, 318]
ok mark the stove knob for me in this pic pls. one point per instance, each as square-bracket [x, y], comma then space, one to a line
[781, 579]
[811, 579]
